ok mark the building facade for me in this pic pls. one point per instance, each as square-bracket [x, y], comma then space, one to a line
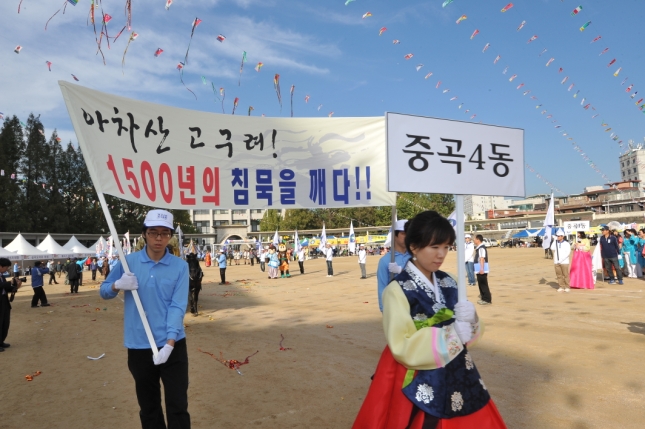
[209, 221]
[476, 206]
[632, 164]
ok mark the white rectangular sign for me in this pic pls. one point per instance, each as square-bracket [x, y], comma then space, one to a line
[452, 157]
[572, 227]
[176, 158]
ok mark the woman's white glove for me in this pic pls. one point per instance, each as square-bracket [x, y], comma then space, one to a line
[395, 268]
[164, 354]
[465, 312]
[128, 281]
[464, 330]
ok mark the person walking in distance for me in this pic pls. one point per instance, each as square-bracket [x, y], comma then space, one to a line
[37, 284]
[73, 276]
[221, 260]
[609, 250]
[263, 259]
[362, 260]
[93, 268]
[470, 260]
[301, 259]
[385, 266]
[329, 257]
[161, 280]
[481, 269]
[561, 251]
[52, 272]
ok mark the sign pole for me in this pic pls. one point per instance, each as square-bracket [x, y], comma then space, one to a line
[461, 249]
[392, 250]
[126, 268]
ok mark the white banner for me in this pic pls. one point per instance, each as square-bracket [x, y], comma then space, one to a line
[451, 157]
[176, 158]
[570, 228]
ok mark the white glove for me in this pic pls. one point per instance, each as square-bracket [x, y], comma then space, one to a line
[465, 312]
[395, 268]
[164, 354]
[128, 281]
[464, 331]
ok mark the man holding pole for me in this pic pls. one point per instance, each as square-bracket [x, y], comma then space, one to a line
[164, 295]
[385, 266]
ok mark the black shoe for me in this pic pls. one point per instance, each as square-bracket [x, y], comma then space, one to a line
[45, 305]
[34, 306]
[5, 345]
[1, 349]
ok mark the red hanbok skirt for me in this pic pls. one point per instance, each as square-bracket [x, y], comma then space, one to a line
[386, 407]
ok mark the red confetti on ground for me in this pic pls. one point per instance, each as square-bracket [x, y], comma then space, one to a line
[329, 326]
[283, 348]
[232, 363]
[29, 377]
[365, 302]
[78, 306]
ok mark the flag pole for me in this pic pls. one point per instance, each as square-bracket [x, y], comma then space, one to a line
[126, 268]
[461, 249]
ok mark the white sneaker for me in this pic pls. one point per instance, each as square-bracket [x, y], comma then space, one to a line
[567, 290]
[560, 290]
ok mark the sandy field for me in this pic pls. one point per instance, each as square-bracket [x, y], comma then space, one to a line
[550, 360]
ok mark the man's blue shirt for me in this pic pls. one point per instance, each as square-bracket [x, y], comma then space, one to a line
[37, 276]
[221, 259]
[383, 274]
[163, 289]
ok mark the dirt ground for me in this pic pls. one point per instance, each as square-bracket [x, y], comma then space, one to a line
[549, 360]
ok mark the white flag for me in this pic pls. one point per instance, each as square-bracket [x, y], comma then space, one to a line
[296, 242]
[323, 238]
[352, 238]
[276, 238]
[180, 238]
[549, 221]
[453, 219]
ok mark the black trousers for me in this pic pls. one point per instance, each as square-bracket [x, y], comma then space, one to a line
[330, 269]
[52, 278]
[222, 274]
[613, 262]
[262, 266]
[5, 317]
[39, 295]
[302, 267]
[93, 274]
[484, 291]
[73, 286]
[174, 375]
[252, 261]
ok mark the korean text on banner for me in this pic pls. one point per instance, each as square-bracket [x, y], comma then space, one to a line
[451, 157]
[571, 227]
[176, 158]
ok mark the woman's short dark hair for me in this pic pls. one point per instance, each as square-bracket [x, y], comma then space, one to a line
[582, 234]
[4, 262]
[428, 228]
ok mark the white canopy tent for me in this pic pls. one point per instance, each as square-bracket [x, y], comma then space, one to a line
[54, 249]
[12, 256]
[22, 247]
[75, 246]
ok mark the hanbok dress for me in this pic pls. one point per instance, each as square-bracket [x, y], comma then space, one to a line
[581, 272]
[425, 378]
[207, 260]
[630, 257]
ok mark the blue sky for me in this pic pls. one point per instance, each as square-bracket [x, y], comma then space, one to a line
[330, 53]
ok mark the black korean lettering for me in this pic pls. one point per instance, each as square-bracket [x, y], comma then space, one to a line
[252, 142]
[133, 127]
[452, 154]
[165, 133]
[194, 145]
[100, 121]
[418, 154]
[89, 120]
[500, 169]
[228, 144]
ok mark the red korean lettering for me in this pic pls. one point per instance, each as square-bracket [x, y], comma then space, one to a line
[129, 175]
[165, 182]
[188, 184]
[210, 180]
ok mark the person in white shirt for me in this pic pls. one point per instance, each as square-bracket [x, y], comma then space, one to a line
[362, 258]
[561, 251]
[470, 260]
[301, 259]
[329, 256]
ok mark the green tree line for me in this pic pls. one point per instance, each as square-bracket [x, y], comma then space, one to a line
[407, 206]
[46, 187]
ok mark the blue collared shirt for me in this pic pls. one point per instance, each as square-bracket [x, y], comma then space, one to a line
[163, 289]
[383, 274]
[37, 276]
[221, 259]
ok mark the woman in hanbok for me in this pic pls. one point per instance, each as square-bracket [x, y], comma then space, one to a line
[581, 272]
[207, 259]
[426, 379]
[641, 248]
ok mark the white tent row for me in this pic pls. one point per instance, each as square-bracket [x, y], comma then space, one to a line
[49, 246]
[75, 246]
[20, 249]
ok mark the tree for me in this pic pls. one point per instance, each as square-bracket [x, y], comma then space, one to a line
[33, 168]
[12, 147]
[271, 220]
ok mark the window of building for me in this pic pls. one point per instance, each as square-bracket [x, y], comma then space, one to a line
[622, 164]
[239, 211]
[623, 174]
[629, 208]
[255, 225]
[220, 223]
[221, 211]
[592, 197]
[239, 222]
[203, 226]
[201, 212]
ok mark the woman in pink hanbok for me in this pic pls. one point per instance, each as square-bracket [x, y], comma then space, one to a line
[581, 272]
